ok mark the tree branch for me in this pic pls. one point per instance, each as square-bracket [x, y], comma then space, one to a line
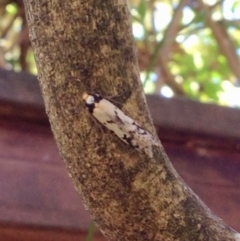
[225, 43]
[88, 45]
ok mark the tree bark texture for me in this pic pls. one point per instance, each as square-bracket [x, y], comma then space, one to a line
[88, 45]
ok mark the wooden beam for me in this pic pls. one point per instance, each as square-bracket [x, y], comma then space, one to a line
[29, 233]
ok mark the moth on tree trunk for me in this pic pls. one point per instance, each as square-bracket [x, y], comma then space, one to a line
[88, 45]
[122, 125]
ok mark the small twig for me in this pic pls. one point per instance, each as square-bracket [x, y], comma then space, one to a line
[91, 231]
[163, 47]
[225, 43]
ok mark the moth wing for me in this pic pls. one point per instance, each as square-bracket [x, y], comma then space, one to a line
[108, 114]
[123, 126]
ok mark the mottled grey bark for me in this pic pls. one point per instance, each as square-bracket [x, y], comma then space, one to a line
[88, 45]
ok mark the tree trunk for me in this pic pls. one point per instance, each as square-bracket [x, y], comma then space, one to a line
[88, 45]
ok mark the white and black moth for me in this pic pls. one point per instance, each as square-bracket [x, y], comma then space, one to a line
[122, 125]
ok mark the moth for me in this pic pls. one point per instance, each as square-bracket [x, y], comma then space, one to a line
[122, 125]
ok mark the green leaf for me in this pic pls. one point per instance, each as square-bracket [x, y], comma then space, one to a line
[11, 8]
[142, 9]
[235, 5]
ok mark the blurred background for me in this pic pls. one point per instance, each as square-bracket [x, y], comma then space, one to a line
[188, 53]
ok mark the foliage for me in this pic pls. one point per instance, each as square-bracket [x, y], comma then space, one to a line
[180, 46]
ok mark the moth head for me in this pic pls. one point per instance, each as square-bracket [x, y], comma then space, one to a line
[89, 99]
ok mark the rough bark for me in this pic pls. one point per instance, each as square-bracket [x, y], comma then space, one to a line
[88, 45]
